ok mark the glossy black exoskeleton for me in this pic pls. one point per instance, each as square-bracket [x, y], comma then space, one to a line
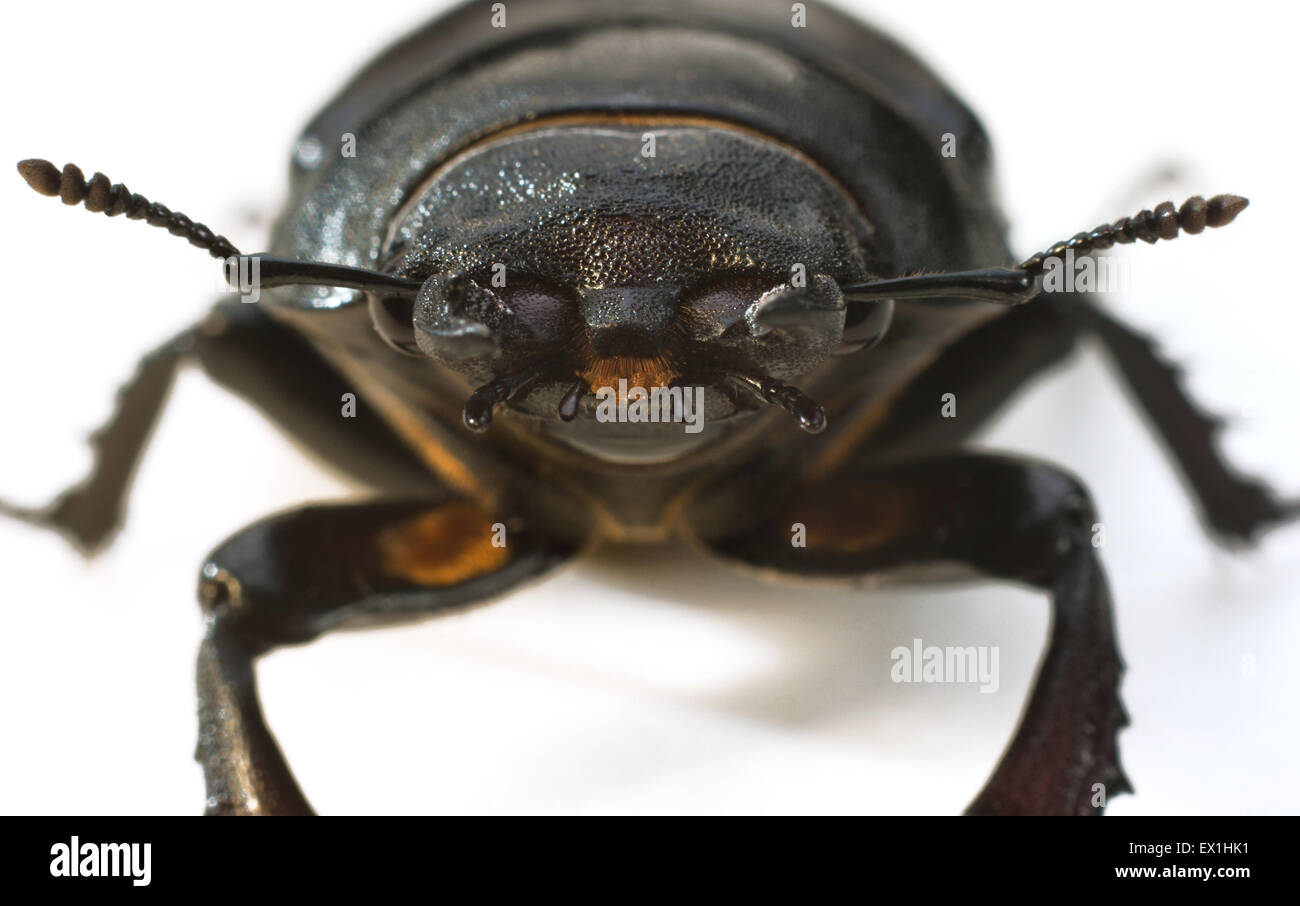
[552, 237]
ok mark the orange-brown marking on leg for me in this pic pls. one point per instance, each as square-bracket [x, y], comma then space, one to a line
[443, 547]
[851, 517]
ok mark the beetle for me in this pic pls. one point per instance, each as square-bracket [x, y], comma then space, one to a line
[862, 234]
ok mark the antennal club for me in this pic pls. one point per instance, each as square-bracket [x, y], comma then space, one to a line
[101, 196]
[1014, 286]
[1163, 223]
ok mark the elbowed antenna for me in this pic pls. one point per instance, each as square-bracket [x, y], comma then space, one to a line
[102, 196]
[1002, 285]
[1015, 285]
[276, 271]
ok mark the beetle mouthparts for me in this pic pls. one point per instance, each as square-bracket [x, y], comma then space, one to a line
[568, 406]
[806, 410]
[478, 408]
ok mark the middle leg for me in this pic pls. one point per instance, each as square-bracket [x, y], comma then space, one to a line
[1004, 518]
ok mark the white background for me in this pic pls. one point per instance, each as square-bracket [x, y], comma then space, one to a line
[645, 680]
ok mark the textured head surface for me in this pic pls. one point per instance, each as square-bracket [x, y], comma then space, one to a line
[586, 207]
[613, 250]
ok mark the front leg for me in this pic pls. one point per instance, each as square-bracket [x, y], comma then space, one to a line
[292, 577]
[1004, 518]
[1234, 507]
[241, 348]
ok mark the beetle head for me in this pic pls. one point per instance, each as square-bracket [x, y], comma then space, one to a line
[565, 260]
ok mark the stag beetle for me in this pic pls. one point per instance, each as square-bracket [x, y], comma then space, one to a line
[554, 238]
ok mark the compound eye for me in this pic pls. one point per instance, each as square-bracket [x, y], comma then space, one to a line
[717, 308]
[393, 318]
[865, 325]
[543, 309]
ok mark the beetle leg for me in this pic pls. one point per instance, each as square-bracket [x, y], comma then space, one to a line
[1233, 506]
[89, 512]
[1005, 518]
[989, 365]
[242, 349]
[292, 577]
[986, 368]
